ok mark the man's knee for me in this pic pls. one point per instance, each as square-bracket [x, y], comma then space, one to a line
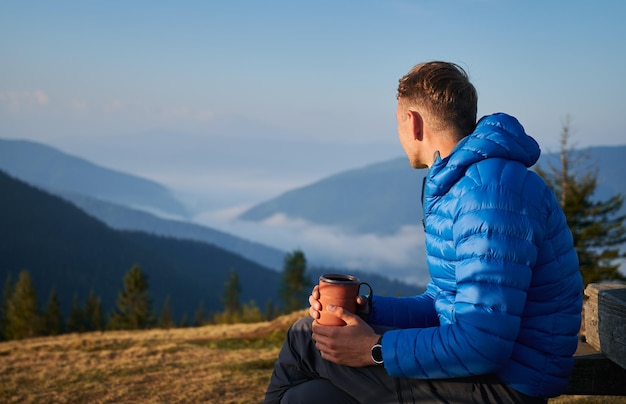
[302, 324]
[316, 391]
[299, 333]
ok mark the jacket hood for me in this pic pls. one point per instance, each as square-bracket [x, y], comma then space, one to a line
[496, 136]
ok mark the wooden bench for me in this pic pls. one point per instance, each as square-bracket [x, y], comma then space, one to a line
[600, 361]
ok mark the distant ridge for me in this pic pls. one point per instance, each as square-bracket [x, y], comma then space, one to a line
[383, 197]
[120, 215]
[379, 198]
[124, 218]
[63, 247]
[49, 168]
[120, 200]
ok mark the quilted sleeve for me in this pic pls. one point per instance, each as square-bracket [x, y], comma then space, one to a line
[405, 312]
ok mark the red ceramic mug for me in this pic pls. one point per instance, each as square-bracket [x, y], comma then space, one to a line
[339, 290]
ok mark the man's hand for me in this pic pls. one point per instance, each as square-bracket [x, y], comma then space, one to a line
[348, 345]
[362, 304]
[314, 301]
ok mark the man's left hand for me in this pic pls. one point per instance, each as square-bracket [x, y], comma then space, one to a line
[348, 345]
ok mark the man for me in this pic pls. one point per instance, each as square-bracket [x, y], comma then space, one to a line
[499, 319]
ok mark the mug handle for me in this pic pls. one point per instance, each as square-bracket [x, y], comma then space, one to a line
[369, 296]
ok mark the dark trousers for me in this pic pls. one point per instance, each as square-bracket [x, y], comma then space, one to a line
[301, 376]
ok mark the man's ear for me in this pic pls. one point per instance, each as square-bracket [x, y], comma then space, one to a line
[417, 124]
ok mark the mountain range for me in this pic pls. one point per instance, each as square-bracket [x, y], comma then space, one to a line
[111, 221]
[76, 244]
[122, 201]
[64, 248]
[57, 171]
[383, 197]
[378, 198]
[125, 218]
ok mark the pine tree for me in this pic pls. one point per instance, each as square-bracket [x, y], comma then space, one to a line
[52, 317]
[232, 290]
[199, 317]
[23, 320]
[233, 311]
[4, 307]
[165, 319]
[294, 282]
[134, 308]
[184, 321]
[76, 320]
[94, 320]
[596, 227]
[270, 311]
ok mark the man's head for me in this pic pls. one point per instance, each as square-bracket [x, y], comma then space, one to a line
[444, 92]
[436, 107]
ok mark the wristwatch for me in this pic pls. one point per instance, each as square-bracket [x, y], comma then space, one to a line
[377, 351]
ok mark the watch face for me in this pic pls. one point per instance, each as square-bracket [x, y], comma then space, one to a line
[377, 354]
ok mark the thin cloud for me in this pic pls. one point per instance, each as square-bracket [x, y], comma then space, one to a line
[79, 105]
[18, 101]
[176, 112]
[115, 106]
[400, 255]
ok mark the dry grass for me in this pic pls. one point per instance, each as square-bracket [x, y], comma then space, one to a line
[215, 364]
[588, 400]
[212, 364]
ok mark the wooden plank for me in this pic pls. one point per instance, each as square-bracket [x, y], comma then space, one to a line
[605, 320]
[595, 374]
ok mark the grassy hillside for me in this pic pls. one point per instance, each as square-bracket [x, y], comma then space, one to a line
[212, 364]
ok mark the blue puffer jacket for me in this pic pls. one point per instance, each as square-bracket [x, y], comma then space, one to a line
[505, 294]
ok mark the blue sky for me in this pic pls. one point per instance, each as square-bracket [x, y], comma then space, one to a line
[324, 70]
[234, 102]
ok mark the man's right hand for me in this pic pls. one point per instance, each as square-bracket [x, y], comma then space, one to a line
[314, 301]
[362, 303]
